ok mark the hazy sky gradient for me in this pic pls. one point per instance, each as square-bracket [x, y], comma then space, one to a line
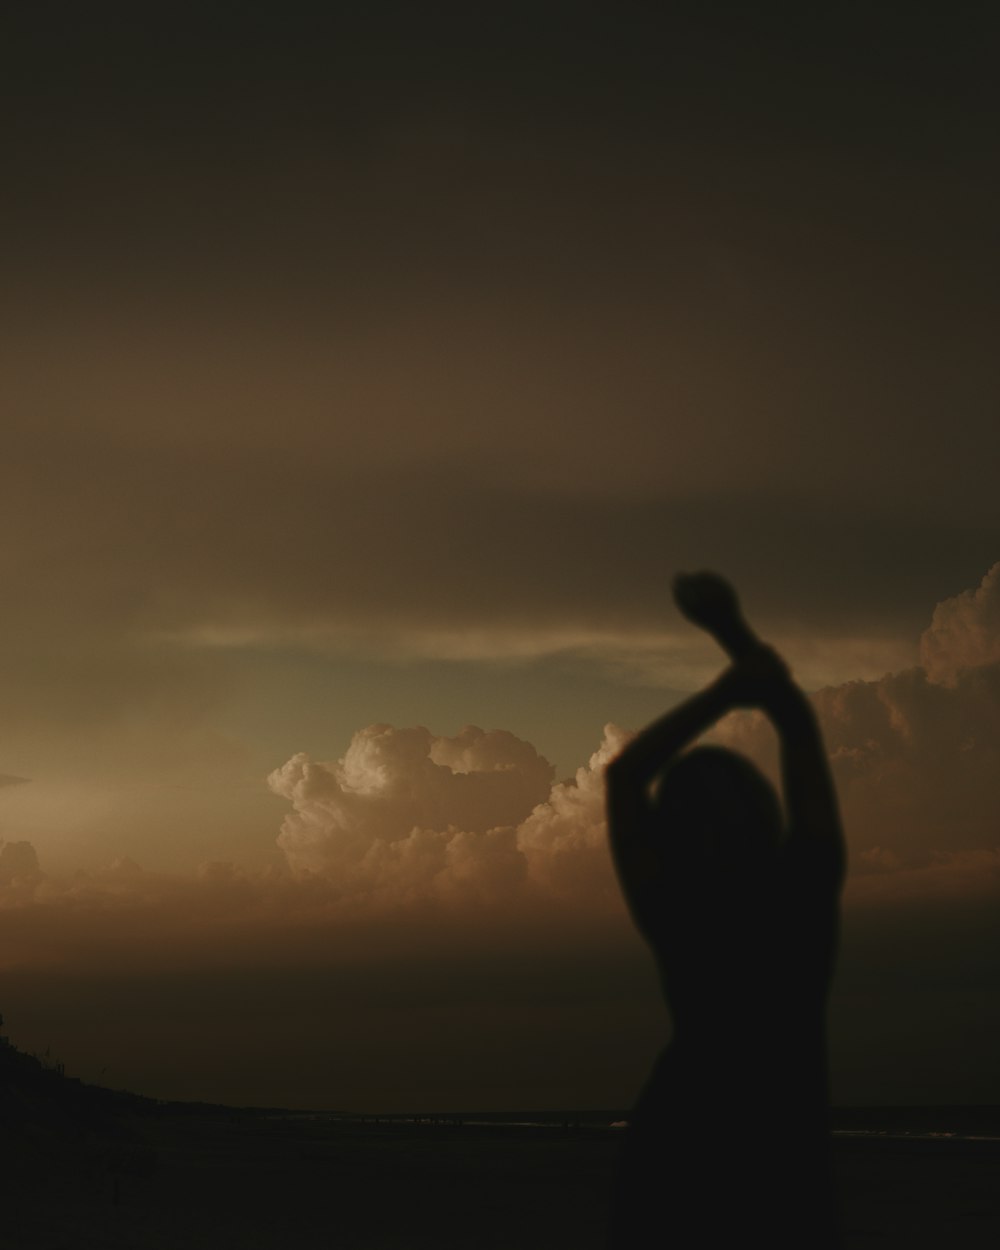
[381, 368]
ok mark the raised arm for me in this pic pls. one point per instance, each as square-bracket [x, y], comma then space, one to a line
[633, 771]
[710, 602]
[810, 798]
[757, 678]
[630, 775]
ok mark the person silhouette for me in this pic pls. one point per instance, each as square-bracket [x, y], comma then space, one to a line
[729, 1139]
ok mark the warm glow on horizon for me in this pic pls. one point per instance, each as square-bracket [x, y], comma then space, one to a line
[468, 846]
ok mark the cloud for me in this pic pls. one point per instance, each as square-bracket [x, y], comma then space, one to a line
[404, 815]
[177, 541]
[565, 838]
[940, 876]
[915, 758]
[408, 835]
[917, 763]
[406, 818]
[915, 755]
[436, 870]
[964, 631]
[392, 780]
[18, 863]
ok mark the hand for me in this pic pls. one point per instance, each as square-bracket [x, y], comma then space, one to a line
[710, 602]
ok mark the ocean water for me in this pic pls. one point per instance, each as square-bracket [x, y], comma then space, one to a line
[940, 1124]
[560, 1119]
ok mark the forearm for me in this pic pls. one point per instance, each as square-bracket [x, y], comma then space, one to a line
[628, 780]
[646, 754]
[810, 796]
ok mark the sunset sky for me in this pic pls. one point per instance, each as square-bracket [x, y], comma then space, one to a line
[366, 376]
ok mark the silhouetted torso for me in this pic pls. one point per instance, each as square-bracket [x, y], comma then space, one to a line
[729, 1138]
[737, 894]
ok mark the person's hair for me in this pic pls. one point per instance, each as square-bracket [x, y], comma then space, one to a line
[721, 806]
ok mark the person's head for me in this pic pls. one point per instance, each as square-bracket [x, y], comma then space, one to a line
[716, 809]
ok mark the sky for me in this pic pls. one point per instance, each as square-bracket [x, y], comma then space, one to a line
[367, 377]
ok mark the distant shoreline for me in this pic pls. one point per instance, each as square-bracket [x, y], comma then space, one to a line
[932, 1124]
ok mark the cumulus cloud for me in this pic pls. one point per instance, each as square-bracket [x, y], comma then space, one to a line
[917, 763]
[407, 815]
[391, 781]
[964, 631]
[916, 754]
[407, 840]
[565, 838]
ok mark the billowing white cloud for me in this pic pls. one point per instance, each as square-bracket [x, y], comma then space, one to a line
[405, 815]
[392, 780]
[964, 631]
[565, 838]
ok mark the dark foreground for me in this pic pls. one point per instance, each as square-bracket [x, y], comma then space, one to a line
[241, 1180]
